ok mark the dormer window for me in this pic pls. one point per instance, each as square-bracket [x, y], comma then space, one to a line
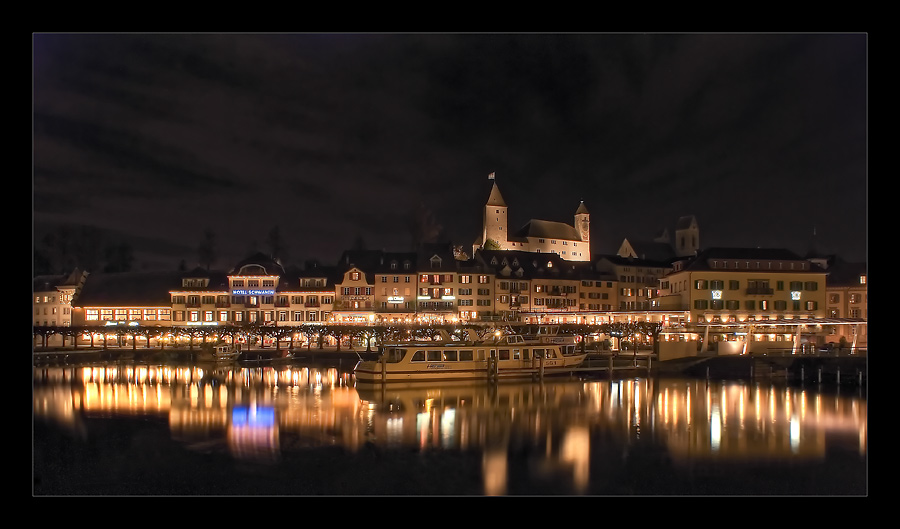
[393, 265]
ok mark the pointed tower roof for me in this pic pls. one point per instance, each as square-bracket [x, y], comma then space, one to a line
[496, 199]
[581, 209]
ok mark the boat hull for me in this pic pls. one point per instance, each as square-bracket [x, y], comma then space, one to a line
[459, 371]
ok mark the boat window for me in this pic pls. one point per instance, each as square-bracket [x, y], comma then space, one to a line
[570, 350]
[450, 356]
[538, 353]
[480, 354]
[504, 354]
[418, 356]
[395, 355]
[525, 355]
[433, 356]
[466, 355]
[516, 354]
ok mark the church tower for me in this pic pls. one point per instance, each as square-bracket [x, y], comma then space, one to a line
[687, 236]
[583, 223]
[496, 226]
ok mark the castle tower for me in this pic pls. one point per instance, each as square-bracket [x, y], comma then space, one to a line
[687, 236]
[496, 226]
[583, 223]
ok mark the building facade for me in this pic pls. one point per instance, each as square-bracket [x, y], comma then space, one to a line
[745, 284]
[52, 298]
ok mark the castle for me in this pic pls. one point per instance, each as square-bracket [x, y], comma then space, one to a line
[572, 243]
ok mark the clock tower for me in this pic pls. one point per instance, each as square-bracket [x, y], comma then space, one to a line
[583, 223]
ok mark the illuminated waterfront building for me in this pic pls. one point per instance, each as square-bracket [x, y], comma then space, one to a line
[126, 298]
[719, 286]
[736, 291]
[538, 287]
[725, 284]
[847, 297]
[52, 298]
[638, 279]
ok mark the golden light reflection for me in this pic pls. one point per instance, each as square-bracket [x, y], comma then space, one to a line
[559, 418]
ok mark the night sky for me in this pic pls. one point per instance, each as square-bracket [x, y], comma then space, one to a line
[335, 137]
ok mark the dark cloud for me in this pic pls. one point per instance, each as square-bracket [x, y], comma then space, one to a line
[336, 136]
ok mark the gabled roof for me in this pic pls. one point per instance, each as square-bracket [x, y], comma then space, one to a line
[652, 250]
[548, 229]
[632, 261]
[685, 222]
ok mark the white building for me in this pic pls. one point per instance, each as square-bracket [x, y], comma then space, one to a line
[571, 242]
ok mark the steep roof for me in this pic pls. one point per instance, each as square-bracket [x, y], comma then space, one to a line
[582, 209]
[548, 229]
[652, 250]
[685, 222]
[633, 261]
[495, 198]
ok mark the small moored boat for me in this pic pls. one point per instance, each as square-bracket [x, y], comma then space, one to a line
[503, 358]
[223, 352]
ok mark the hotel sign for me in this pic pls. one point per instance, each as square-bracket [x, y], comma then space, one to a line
[253, 292]
[395, 299]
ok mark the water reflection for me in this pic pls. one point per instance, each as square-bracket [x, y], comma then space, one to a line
[562, 428]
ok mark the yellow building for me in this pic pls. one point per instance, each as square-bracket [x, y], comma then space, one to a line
[743, 284]
[730, 292]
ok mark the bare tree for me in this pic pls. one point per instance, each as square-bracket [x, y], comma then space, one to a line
[207, 249]
[276, 245]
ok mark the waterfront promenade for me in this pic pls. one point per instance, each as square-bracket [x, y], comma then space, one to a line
[826, 368]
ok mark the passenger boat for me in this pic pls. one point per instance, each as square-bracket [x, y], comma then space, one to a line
[501, 358]
[549, 334]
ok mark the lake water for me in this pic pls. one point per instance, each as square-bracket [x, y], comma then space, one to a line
[185, 430]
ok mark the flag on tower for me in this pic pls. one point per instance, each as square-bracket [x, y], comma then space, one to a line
[491, 176]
